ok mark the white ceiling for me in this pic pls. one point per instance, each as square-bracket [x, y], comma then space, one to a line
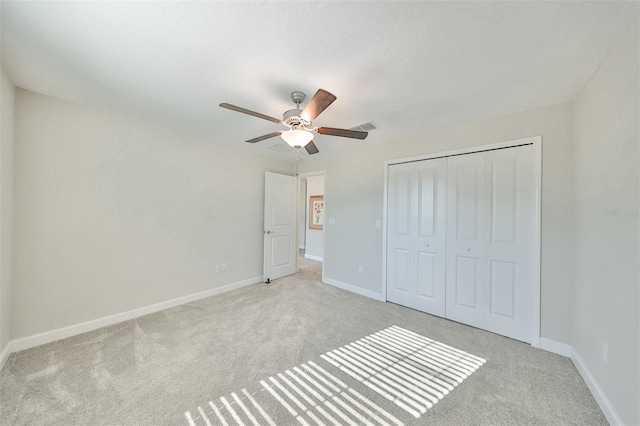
[409, 67]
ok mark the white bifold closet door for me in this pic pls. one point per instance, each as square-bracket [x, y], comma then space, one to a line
[466, 207]
[416, 235]
[489, 244]
[459, 238]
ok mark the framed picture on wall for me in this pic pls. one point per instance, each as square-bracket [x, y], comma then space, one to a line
[316, 211]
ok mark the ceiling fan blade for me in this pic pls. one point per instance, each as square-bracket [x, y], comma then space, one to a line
[263, 137]
[320, 101]
[345, 133]
[311, 148]
[248, 111]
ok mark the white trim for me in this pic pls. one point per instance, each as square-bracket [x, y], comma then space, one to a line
[536, 141]
[468, 150]
[310, 174]
[354, 289]
[312, 257]
[598, 394]
[537, 235]
[384, 230]
[555, 347]
[298, 234]
[4, 355]
[73, 330]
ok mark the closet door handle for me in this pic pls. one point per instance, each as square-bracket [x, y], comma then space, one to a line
[468, 249]
[426, 245]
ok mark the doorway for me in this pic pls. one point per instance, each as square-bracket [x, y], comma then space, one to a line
[311, 202]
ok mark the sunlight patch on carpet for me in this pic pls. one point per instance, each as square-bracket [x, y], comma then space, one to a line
[411, 370]
[406, 368]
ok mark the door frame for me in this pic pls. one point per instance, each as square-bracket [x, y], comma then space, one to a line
[305, 175]
[536, 141]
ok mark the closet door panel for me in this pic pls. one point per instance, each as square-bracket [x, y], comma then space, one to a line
[401, 231]
[430, 243]
[426, 280]
[465, 281]
[503, 284]
[509, 241]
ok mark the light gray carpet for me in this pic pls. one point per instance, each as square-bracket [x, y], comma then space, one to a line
[154, 369]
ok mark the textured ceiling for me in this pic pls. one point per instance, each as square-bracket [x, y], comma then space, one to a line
[409, 67]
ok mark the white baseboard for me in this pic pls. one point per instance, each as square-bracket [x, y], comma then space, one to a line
[4, 355]
[72, 330]
[312, 257]
[354, 289]
[555, 347]
[601, 398]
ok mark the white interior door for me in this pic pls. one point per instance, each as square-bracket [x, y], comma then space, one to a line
[280, 245]
[466, 239]
[431, 237]
[509, 242]
[416, 235]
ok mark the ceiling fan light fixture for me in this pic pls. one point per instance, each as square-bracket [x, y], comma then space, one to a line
[297, 138]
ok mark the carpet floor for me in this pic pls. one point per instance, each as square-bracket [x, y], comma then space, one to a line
[295, 351]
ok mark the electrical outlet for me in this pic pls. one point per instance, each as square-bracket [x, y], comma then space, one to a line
[361, 269]
[605, 352]
[217, 268]
[223, 267]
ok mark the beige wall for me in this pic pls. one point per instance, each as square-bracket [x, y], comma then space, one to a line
[354, 193]
[606, 287]
[116, 214]
[6, 203]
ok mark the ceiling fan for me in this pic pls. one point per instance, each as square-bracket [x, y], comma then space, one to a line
[299, 122]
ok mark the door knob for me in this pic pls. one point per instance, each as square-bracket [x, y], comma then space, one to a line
[468, 249]
[267, 232]
[426, 245]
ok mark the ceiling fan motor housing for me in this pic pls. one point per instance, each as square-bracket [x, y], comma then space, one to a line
[292, 119]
